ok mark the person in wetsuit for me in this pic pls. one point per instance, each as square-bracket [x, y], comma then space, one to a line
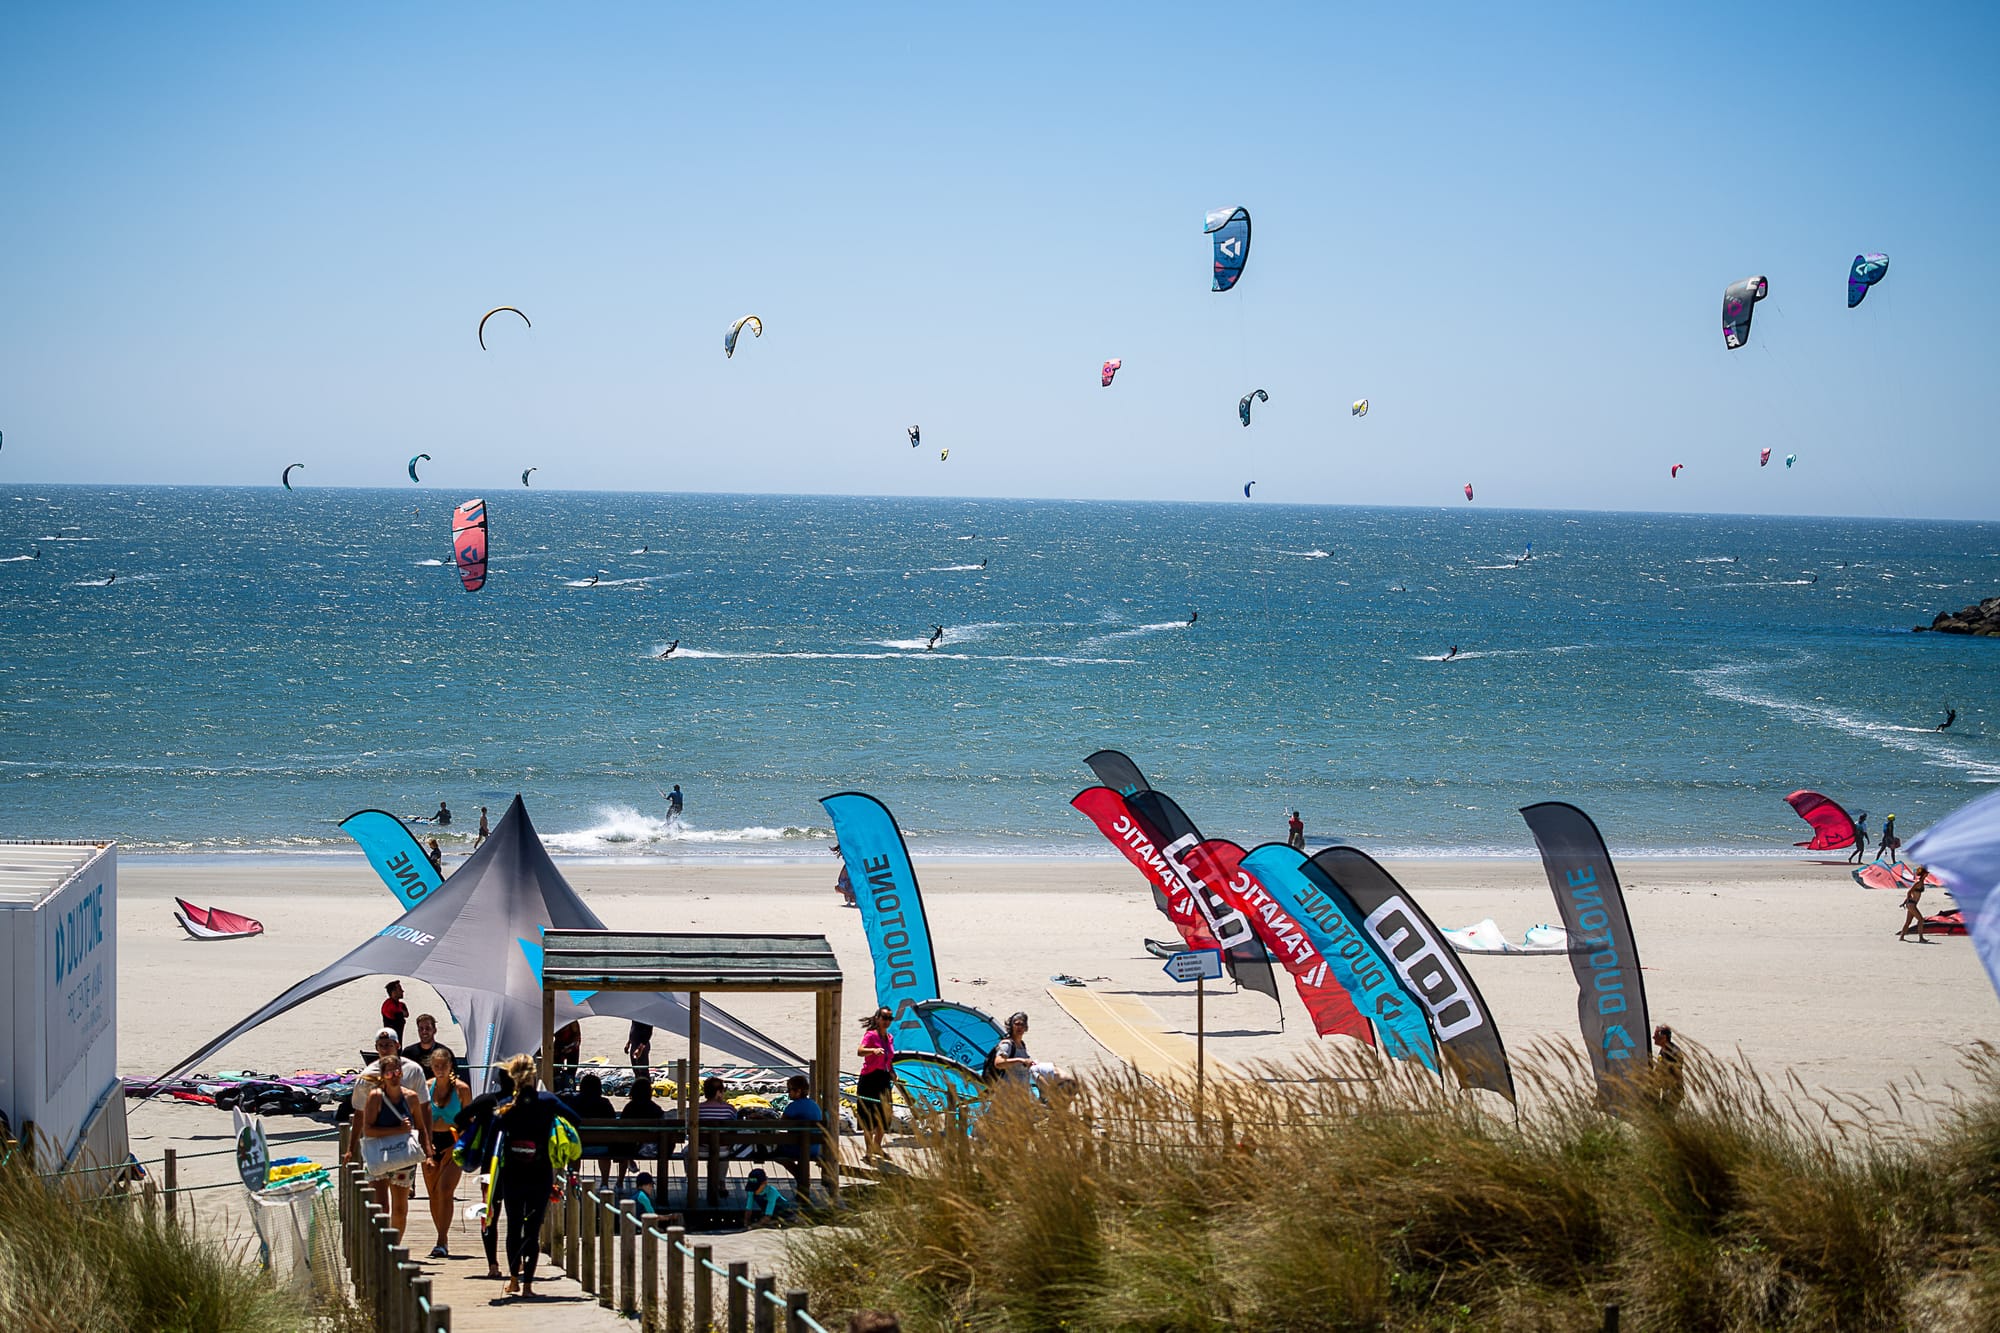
[527, 1177]
[1453, 653]
[1950, 716]
[670, 648]
[937, 637]
[1193, 616]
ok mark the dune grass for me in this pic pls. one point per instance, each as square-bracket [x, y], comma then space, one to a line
[1348, 1198]
[71, 1263]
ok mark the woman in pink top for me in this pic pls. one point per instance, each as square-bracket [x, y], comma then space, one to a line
[878, 1063]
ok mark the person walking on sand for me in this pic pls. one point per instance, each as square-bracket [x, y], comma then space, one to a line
[844, 886]
[1913, 910]
[1295, 833]
[871, 1091]
[1860, 837]
[1669, 1082]
[484, 831]
[395, 1014]
[1890, 844]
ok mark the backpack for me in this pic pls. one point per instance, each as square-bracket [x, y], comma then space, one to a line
[988, 1070]
[565, 1144]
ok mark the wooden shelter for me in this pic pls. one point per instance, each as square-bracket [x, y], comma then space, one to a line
[613, 960]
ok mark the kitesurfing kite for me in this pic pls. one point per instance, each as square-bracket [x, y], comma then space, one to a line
[1468, 491]
[729, 338]
[1360, 408]
[468, 543]
[1246, 488]
[1675, 470]
[1867, 271]
[420, 458]
[213, 923]
[1738, 299]
[1763, 458]
[916, 437]
[524, 475]
[1832, 826]
[1110, 369]
[1791, 459]
[943, 454]
[286, 475]
[490, 314]
[1231, 229]
[1243, 408]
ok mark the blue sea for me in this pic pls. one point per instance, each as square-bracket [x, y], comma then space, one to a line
[263, 663]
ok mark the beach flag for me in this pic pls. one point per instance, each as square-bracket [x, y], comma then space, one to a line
[1115, 820]
[892, 907]
[1218, 863]
[1611, 995]
[1318, 907]
[1964, 847]
[1424, 959]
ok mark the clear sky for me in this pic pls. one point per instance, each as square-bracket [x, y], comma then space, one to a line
[238, 237]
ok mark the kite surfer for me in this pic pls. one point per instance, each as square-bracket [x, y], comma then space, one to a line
[1950, 716]
[1890, 843]
[1448, 656]
[670, 648]
[1860, 836]
[113, 579]
[1913, 912]
[937, 637]
[674, 802]
[1193, 615]
[592, 583]
[982, 562]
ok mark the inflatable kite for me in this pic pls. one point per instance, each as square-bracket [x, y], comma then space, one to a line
[1791, 459]
[1468, 491]
[1360, 408]
[212, 923]
[916, 437]
[1738, 299]
[1486, 937]
[1110, 369]
[1243, 408]
[1833, 827]
[1246, 488]
[286, 475]
[1675, 470]
[729, 338]
[1231, 229]
[420, 458]
[1763, 458]
[943, 454]
[1867, 271]
[468, 543]
[524, 475]
[490, 314]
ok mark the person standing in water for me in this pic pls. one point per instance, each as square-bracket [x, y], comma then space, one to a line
[484, 831]
[1295, 833]
[674, 802]
[443, 817]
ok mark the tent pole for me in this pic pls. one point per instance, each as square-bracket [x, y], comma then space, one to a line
[548, 1039]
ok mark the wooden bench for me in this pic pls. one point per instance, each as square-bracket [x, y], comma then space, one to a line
[794, 1144]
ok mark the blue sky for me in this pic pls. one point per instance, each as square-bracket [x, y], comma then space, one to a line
[237, 237]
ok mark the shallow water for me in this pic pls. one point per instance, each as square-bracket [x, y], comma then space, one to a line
[264, 663]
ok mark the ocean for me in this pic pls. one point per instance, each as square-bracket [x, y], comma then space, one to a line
[203, 671]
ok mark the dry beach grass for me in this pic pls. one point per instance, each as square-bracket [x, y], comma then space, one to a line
[1388, 1203]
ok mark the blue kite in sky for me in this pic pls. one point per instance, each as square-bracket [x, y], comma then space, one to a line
[1231, 229]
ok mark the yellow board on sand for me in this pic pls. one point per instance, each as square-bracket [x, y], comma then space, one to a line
[1126, 1026]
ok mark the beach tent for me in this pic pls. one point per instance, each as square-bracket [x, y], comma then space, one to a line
[1832, 826]
[477, 940]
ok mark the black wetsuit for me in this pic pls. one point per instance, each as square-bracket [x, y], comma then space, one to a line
[1950, 716]
[526, 1176]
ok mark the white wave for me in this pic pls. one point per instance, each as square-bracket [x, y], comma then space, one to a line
[1732, 681]
[429, 564]
[952, 569]
[622, 828]
[1475, 653]
[97, 583]
[1713, 560]
[1314, 554]
[11, 559]
[66, 539]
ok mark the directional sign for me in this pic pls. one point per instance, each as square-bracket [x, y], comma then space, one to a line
[1196, 965]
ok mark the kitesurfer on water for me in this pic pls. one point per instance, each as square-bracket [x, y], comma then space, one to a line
[1193, 615]
[592, 583]
[670, 648]
[1453, 653]
[674, 802]
[982, 562]
[113, 579]
[937, 637]
[1950, 716]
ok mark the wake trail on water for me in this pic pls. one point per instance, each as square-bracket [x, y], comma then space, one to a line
[621, 828]
[1732, 682]
[1475, 653]
[606, 583]
[13, 559]
[1163, 627]
[914, 653]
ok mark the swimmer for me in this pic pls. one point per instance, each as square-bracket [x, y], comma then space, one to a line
[1950, 716]
[670, 648]
[1448, 656]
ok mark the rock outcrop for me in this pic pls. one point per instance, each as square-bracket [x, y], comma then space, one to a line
[1982, 619]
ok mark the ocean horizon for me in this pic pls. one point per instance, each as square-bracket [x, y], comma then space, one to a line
[210, 671]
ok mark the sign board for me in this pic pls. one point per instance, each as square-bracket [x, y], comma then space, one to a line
[253, 1155]
[1195, 965]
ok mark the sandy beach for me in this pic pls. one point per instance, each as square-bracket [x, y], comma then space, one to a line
[1788, 961]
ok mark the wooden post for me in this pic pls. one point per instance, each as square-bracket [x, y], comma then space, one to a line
[763, 1312]
[440, 1319]
[607, 1225]
[826, 1005]
[420, 1299]
[1610, 1319]
[649, 1273]
[587, 1236]
[693, 1121]
[628, 1265]
[397, 1287]
[704, 1289]
[548, 1040]
[677, 1321]
[172, 1173]
[685, 1106]
[795, 1312]
[371, 1252]
[573, 1231]
[739, 1297]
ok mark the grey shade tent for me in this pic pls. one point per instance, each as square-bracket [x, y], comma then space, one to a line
[477, 940]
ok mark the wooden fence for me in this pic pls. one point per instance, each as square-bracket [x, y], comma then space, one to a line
[387, 1283]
